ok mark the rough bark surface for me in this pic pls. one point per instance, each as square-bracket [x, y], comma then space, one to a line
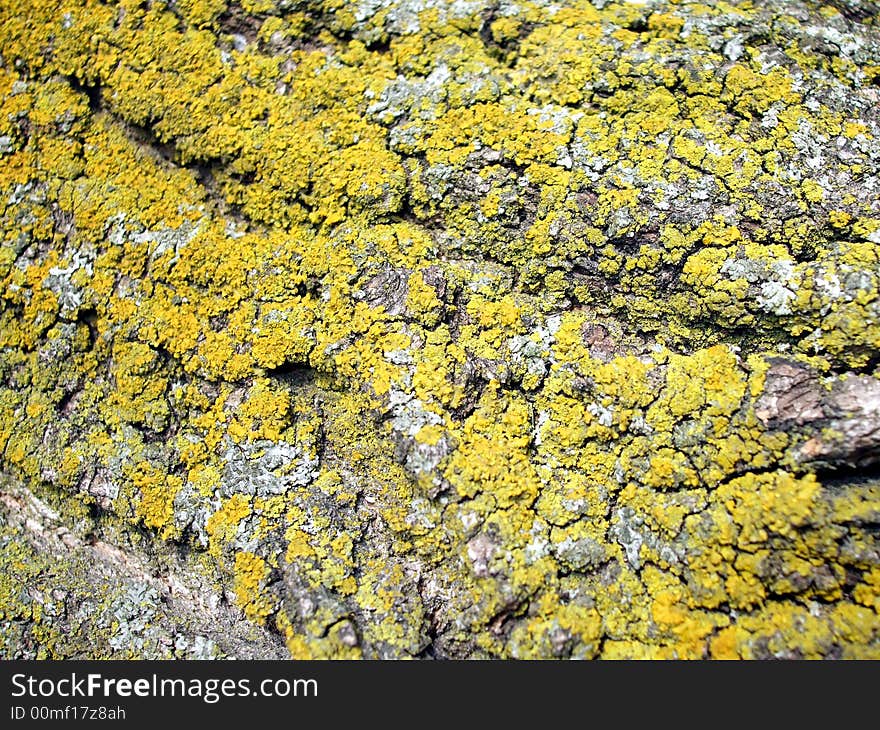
[414, 328]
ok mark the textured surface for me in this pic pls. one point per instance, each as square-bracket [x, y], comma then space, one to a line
[439, 329]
